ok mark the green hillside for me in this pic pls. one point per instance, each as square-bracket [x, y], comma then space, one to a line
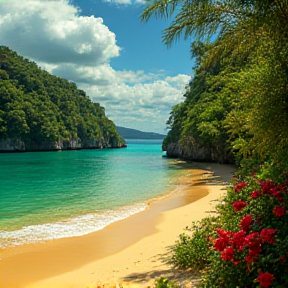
[39, 111]
[128, 133]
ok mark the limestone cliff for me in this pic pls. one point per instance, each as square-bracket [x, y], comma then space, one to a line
[195, 152]
[18, 145]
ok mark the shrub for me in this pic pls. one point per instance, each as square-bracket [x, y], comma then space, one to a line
[246, 245]
[250, 249]
[194, 247]
[165, 283]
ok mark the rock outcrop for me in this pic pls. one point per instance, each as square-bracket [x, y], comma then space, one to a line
[19, 145]
[196, 152]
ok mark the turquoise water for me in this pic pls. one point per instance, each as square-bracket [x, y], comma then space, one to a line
[50, 195]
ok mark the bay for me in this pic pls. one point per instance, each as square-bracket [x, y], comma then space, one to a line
[51, 195]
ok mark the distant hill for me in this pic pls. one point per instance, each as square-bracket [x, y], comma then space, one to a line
[128, 133]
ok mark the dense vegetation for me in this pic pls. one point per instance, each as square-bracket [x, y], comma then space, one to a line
[128, 133]
[236, 103]
[39, 111]
[236, 107]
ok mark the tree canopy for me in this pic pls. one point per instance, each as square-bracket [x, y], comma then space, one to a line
[236, 102]
[46, 112]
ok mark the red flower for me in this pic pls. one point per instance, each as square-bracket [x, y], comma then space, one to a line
[228, 254]
[239, 240]
[267, 235]
[267, 187]
[255, 194]
[224, 234]
[239, 186]
[277, 195]
[220, 244]
[265, 279]
[224, 239]
[279, 211]
[239, 205]
[254, 243]
[250, 258]
[245, 223]
[282, 259]
[253, 239]
[253, 254]
[283, 186]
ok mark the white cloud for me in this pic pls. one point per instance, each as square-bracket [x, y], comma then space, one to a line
[125, 2]
[142, 2]
[99, 75]
[148, 103]
[79, 48]
[53, 32]
[144, 94]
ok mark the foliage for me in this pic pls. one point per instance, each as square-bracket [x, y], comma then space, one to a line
[193, 249]
[38, 108]
[252, 240]
[237, 101]
[246, 245]
[201, 118]
[165, 283]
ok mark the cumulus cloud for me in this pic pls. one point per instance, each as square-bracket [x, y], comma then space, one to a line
[53, 32]
[145, 103]
[159, 93]
[78, 48]
[99, 75]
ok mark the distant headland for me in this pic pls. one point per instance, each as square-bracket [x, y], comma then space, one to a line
[128, 133]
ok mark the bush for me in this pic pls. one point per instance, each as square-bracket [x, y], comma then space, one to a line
[250, 249]
[246, 245]
[165, 283]
[194, 248]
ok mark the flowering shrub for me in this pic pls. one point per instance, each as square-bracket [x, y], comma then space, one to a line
[247, 244]
[251, 248]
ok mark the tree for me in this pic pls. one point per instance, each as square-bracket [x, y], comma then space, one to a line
[245, 64]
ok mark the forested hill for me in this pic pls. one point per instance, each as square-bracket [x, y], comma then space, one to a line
[128, 133]
[39, 111]
[235, 108]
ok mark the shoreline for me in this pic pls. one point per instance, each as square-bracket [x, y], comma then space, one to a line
[118, 214]
[113, 254]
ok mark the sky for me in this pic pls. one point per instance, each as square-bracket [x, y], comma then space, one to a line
[104, 48]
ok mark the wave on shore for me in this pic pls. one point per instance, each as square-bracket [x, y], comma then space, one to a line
[77, 226]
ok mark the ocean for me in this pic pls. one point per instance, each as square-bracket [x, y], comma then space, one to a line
[51, 195]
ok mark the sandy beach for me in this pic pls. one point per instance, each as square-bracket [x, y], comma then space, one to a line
[131, 252]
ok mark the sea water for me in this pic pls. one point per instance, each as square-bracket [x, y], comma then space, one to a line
[51, 195]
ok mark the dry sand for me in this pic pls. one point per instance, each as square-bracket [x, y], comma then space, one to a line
[131, 252]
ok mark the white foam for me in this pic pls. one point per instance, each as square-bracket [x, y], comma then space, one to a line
[78, 226]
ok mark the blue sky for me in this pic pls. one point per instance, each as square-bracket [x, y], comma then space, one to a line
[104, 48]
[141, 42]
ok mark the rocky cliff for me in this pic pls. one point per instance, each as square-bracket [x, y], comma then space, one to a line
[18, 145]
[196, 152]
